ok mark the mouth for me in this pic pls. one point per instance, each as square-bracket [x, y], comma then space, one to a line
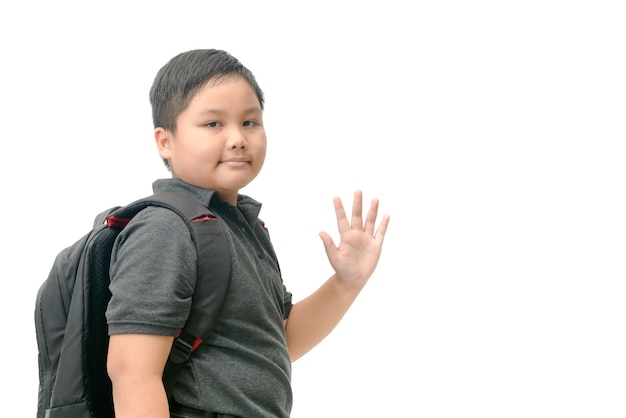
[235, 162]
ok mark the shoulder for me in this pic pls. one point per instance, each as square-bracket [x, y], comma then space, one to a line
[157, 224]
[156, 236]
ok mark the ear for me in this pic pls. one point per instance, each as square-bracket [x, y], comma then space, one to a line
[163, 139]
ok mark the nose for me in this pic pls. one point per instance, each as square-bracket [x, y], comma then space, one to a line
[237, 139]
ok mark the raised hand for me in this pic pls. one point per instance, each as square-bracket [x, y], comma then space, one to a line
[355, 258]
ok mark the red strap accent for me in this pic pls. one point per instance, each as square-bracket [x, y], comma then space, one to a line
[204, 218]
[196, 343]
[115, 222]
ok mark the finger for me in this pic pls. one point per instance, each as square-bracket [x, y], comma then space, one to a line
[357, 210]
[340, 213]
[370, 221]
[329, 245]
[382, 230]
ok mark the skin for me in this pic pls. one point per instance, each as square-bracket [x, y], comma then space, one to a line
[220, 141]
[220, 144]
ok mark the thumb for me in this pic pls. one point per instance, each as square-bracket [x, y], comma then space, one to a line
[329, 244]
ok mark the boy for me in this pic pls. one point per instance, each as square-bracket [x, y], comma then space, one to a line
[208, 118]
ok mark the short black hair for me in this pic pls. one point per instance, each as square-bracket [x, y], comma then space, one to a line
[179, 80]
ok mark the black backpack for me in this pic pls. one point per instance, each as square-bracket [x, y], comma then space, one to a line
[70, 323]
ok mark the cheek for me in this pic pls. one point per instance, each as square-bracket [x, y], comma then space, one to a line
[199, 157]
[261, 143]
[204, 149]
[261, 152]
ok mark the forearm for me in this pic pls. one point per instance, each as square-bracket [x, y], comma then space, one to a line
[314, 317]
[137, 397]
[135, 365]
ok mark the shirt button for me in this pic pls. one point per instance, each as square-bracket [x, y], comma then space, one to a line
[260, 254]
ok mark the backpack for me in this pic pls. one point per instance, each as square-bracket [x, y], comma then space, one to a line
[70, 322]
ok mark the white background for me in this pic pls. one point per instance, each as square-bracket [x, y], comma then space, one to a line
[492, 132]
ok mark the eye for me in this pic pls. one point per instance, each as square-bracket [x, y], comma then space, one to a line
[250, 123]
[213, 124]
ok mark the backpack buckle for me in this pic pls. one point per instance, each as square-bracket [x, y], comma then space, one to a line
[181, 350]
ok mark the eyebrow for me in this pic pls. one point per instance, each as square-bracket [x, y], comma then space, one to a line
[254, 109]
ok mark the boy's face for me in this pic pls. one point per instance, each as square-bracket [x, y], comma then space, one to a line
[220, 140]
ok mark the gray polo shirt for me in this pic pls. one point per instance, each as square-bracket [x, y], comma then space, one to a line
[243, 368]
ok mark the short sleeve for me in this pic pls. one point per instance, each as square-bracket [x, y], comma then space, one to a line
[153, 274]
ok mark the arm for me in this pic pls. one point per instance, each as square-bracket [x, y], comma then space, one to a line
[135, 364]
[354, 260]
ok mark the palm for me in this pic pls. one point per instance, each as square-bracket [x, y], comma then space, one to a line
[356, 256]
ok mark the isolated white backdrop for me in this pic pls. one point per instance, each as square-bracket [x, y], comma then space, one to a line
[492, 132]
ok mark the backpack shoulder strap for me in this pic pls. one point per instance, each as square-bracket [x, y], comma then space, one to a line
[214, 264]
